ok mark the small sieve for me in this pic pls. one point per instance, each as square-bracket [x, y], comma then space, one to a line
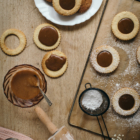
[99, 111]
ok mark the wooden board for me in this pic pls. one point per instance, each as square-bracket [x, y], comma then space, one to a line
[76, 40]
[127, 75]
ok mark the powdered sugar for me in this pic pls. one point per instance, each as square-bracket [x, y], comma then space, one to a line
[92, 99]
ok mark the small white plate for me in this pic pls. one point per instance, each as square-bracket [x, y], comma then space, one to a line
[48, 11]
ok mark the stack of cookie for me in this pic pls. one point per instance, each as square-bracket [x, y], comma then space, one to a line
[70, 7]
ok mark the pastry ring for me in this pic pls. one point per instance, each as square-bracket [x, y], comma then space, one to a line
[129, 92]
[22, 40]
[115, 59]
[118, 18]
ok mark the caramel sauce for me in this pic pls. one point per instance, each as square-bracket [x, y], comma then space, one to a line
[126, 25]
[67, 4]
[104, 58]
[48, 36]
[55, 63]
[24, 85]
[126, 102]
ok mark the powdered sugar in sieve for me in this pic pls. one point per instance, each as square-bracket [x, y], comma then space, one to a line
[92, 99]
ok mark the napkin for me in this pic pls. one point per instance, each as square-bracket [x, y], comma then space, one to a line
[6, 133]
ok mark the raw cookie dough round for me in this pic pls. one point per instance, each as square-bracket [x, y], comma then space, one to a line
[127, 94]
[70, 8]
[113, 64]
[22, 40]
[49, 72]
[138, 54]
[127, 16]
[37, 41]
[85, 6]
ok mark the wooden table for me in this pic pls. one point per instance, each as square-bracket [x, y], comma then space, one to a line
[76, 42]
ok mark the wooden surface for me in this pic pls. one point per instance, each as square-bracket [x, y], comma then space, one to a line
[76, 42]
[127, 75]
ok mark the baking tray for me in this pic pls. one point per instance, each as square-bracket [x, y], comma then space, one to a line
[127, 75]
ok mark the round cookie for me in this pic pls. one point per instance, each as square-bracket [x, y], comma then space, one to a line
[50, 63]
[125, 25]
[22, 43]
[126, 101]
[138, 54]
[54, 31]
[105, 59]
[66, 8]
[85, 6]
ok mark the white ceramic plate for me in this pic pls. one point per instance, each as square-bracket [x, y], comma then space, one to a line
[48, 11]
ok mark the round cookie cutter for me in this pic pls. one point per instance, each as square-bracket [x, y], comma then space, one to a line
[99, 111]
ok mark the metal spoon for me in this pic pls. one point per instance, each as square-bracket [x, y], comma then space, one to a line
[46, 98]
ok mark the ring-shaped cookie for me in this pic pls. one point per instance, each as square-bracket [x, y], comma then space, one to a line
[54, 74]
[116, 20]
[22, 43]
[112, 66]
[122, 92]
[39, 44]
[138, 54]
[64, 12]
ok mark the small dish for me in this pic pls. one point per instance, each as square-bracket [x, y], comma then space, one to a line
[14, 99]
[47, 10]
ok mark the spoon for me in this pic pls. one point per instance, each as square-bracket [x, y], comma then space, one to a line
[46, 98]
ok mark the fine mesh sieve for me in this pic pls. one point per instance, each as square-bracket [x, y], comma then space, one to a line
[99, 111]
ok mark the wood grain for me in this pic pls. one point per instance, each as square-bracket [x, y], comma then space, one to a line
[127, 75]
[76, 43]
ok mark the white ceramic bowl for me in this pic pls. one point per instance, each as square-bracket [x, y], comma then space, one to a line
[47, 10]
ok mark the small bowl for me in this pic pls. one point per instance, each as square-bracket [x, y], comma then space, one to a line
[99, 111]
[14, 99]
